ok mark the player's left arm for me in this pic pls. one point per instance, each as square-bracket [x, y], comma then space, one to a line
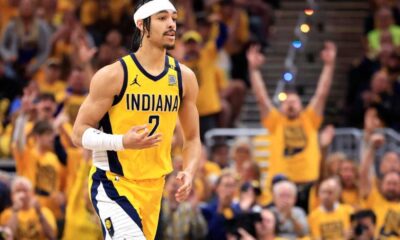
[189, 119]
[328, 55]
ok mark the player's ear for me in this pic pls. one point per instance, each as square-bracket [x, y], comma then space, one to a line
[140, 25]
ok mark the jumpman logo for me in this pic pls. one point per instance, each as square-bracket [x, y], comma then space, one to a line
[135, 81]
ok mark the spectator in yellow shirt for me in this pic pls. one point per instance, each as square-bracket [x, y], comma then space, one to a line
[294, 130]
[201, 59]
[331, 220]
[50, 79]
[81, 219]
[349, 177]
[384, 196]
[27, 219]
[40, 165]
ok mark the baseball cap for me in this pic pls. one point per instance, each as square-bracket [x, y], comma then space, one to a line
[53, 62]
[192, 36]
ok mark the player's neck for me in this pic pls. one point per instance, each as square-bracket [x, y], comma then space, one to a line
[151, 58]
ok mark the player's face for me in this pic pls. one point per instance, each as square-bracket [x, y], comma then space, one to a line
[163, 29]
[291, 107]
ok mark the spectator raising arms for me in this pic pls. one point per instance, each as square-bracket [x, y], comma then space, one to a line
[294, 130]
[381, 195]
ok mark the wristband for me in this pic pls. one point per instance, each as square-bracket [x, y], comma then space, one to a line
[95, 139]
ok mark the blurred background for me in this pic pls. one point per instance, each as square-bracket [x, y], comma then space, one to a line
[331, 172]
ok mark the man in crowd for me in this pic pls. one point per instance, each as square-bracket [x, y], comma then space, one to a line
[26, 218]
[294, 130]
[331, 220]
[381, 195]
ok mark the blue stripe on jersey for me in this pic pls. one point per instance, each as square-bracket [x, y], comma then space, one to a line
[147, 74]
[93, 195]
[113, 194]
[118, 98]
[113, 161]
[179, 73]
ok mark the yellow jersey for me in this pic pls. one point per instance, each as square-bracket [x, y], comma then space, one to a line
[294, 145]
[330, 225]
[144, 99]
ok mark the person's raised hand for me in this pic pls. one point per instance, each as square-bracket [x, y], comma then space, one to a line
[138, 138]
[85, 52]
[326, 136]
[254, 57]
[328, 54]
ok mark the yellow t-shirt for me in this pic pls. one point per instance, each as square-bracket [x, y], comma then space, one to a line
[212, 170]
[29, 226]
[242, 34]
[294, 145]
[313, 199]
[330, 225]
[81, 221]
[211, 80]
[72, 105]
[57, 88]
[44, 171]
[7, 13]
[351, 197]
[387, 215]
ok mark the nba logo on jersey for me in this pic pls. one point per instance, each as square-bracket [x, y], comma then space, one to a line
[171, 80]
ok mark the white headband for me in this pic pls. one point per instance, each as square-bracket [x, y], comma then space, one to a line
[152, 7]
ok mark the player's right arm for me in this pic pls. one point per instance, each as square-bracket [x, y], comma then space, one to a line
[255, 60]
[104, 86]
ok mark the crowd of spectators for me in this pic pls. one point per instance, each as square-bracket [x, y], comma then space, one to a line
[49, 51]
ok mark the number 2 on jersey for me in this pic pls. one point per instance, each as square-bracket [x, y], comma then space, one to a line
[156, 119]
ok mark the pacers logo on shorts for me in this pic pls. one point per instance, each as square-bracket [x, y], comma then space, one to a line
[109, 226]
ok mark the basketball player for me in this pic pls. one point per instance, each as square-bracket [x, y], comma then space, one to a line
[128, 120]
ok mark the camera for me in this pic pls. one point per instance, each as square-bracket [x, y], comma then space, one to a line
[363, 223]
[359, 229]
[246, 221]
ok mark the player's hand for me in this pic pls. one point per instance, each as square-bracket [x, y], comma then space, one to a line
[185, 179]
[138, 138]
[328, 54]
[254, 57]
